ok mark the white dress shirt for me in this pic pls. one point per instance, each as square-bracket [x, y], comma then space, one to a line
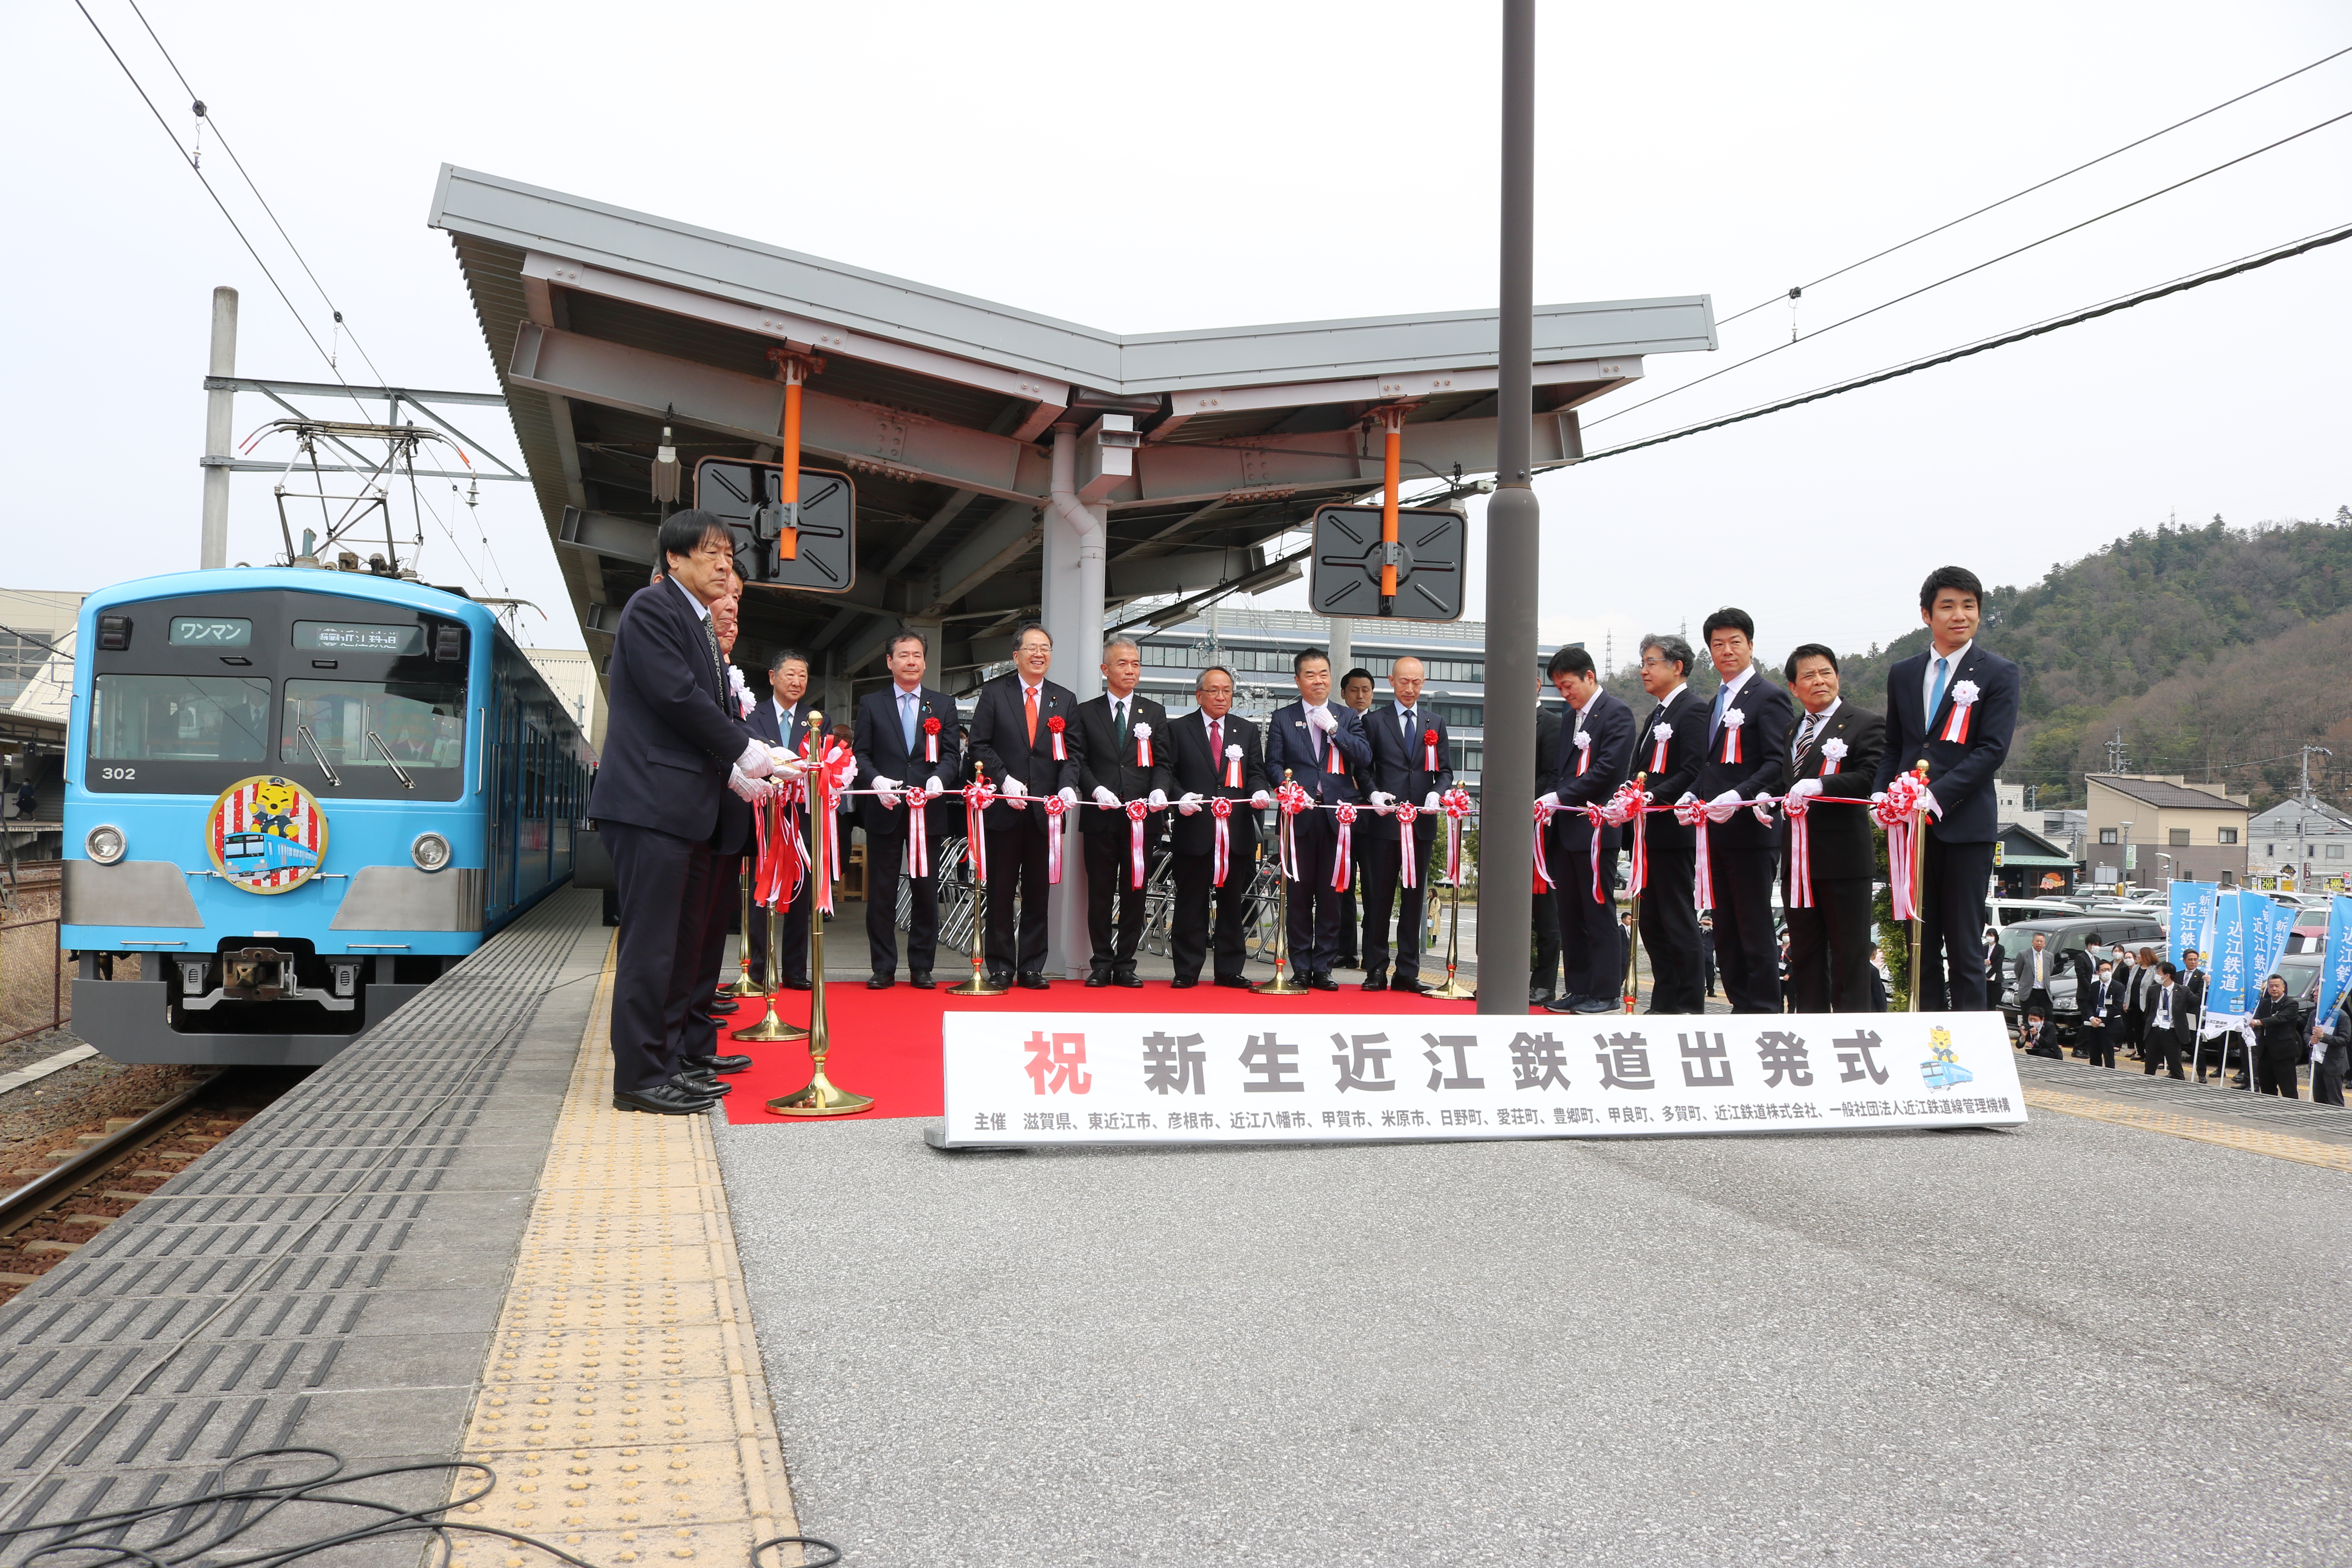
[1812, 724]
[1951, 674]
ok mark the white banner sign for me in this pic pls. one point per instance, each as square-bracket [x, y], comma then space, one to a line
[1275, 1077]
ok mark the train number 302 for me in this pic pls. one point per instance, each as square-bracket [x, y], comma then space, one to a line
[119, 772]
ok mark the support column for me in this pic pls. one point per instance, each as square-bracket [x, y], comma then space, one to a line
[1506, 826]
[220, 437]
[1343, 650]
[1072, 610]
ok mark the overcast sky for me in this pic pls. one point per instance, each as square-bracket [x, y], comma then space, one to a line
[1141, 168]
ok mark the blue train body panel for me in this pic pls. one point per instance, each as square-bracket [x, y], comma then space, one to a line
[359, 778]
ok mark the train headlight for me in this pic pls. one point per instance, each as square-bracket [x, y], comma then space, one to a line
[105, 844]
[430, 851]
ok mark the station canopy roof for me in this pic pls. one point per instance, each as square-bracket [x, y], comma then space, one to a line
[601, 322]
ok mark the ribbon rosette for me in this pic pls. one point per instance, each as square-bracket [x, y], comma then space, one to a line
[931, 738]
[832, 775]
[1292, 798]
[1832, 753]
[1661, 737]
[977, 795]
[1626, 806]
[1407, 814]
[1428, 754]
[1222, 808]
[1456, 803]
[1733, 720]
[1056, 806]
[1143, 751]
[1136, 812]
[1055, 726]
[1583, 752]
[1342, 861]
[1964, 698]
[1692, 814]
[919, 833]
[1800, 851]
[1897, 811]
[1233, 767]
[742, 695]
[1543, 869]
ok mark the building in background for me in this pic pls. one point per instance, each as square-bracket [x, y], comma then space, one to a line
[2151, 829]
[37, 643]
[2030, 866]
[571, 671]
[2306, 840]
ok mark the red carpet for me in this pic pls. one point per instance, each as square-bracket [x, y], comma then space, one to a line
[886, 1043]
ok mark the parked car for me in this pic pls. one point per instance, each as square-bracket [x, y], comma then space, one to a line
[2068, 935]
[2009, 911]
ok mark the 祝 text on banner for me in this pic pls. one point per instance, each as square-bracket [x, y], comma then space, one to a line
[1125, 1078]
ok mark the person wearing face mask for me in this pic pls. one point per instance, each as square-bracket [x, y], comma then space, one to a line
[1321, 743]
[1024, 727]
[2100, 1002]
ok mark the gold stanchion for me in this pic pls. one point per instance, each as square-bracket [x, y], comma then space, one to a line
[773, 1026]
[978, 985]
[744, 984]
[1634, 941]
[820, 1098]
[1285, 980]
[1454, 990]
[1918, 831]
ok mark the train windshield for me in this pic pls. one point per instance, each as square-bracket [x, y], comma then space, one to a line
[180, 718]
[412, 726]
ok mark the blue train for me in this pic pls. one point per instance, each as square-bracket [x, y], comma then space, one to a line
[301, 795]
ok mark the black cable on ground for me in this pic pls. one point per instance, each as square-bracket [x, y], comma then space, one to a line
[203, 1525]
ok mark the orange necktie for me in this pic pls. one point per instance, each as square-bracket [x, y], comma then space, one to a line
[1029, 697]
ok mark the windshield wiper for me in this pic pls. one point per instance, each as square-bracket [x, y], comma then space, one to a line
[398, 772]
[312, 742]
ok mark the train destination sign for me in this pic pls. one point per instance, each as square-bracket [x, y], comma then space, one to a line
[1277, 1077]
[748, 497]
[354, 636]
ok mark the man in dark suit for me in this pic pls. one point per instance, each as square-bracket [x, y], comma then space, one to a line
[1356, 689]
[1747, 756]
[672, 746]
[782, 719]
[1321, 743]
[1835, 754]
[1953, 707]
[2101, 1000]
[1543, 980]
[1593, 755]
[895, 745]
[730, 845]
[1023, 729]
[2170, 1023]
[1213, 752]
[1404, 741]
[1120, 729]
[1668, 748]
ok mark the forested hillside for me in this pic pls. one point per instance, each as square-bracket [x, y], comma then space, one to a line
[2218, 650]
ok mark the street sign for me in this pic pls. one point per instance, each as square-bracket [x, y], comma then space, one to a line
[747, 497]
[1431, 555]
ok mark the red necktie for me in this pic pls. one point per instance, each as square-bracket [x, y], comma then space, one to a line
[1029, 696]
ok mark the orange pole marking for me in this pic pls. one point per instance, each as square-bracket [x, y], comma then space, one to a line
[1392, 444]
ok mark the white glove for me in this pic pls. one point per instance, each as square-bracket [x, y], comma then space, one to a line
[1261, 800]
[1934, 807]
[1550, 799]
[889, 786]
[1013, 789]
[931, 785]
[789, 768]
[1320, 718]
[1687, 799]
[1158, 800]
[1805, 788]
[746, 789]
[1069, 796]
[1431, 803]
[1722, 806]
[1382, 800]
[1105, 799]
[1189, 804]
[1879, 799]
[756, 763]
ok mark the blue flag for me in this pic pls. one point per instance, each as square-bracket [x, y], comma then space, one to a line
[2225, 994]
[2191, 924]
[2335, 967]
[2266, 936]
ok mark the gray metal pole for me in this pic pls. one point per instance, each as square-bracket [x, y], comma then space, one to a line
[1506, 828]
[1342, 648]
[220, 410]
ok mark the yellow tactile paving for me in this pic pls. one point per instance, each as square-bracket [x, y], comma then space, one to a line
[2277, 1145]
[623, 1407]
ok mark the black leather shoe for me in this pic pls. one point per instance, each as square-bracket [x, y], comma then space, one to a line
[1181, 984]
[1237, 982]
[1322, 983]
[793, 985]
[662, 1099]
[711, 1067]
[881, 982]
[1538, 994]
[720, 1007]
[1002, 981]
[1096, 979]
[920, 979]
[704, 1084]
[1132, 982]
[1413, 987]
[1377, 983]
[1032, 980]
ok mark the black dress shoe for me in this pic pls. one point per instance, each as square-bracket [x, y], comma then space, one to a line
[793, 985]
[1538, 994]
[703, 1084]
[921, 980]
[721, 1007]
[1413, 986]
[661, 1100]
[881, 982]
[1132, 982]
[1237, 982]
[1377, 983]
[1322, 983]
[1095, 978]
[1032, 980]
[710, 1067]
[1181, 984]
[1002, 981]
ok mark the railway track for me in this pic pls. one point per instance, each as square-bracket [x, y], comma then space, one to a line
[103, 1173]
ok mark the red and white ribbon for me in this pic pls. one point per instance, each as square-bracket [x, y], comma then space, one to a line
[1800, 852]
[1543, 866]
[1233, 767]
[1406, 815]
[1136, 812]
[1693, 814]
[1143, 751]
[1054, 727]
[1456, 803]
[1964, 699]
[931, 738]
[1733, 720]
[1897, 812]
[832, 776]
[1221, 808]
[1428, 753]
[1342, 860]
[976, 797]
[1583, 752]
[1626, 806]
[1596, 817]
[1292, 798]
[1055, 808]
[919, 834]
[1832, 753]
[1661, 737]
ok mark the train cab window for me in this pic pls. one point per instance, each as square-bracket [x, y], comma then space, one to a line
[179, 717]
[369, 727]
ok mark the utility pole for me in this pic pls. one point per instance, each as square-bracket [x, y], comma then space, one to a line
[1514, 554]
[2115, 751]
[220, 406]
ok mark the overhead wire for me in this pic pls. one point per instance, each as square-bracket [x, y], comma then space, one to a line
[1966, 271]
[2040, 184]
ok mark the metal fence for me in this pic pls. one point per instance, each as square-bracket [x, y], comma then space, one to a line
[33, 975]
